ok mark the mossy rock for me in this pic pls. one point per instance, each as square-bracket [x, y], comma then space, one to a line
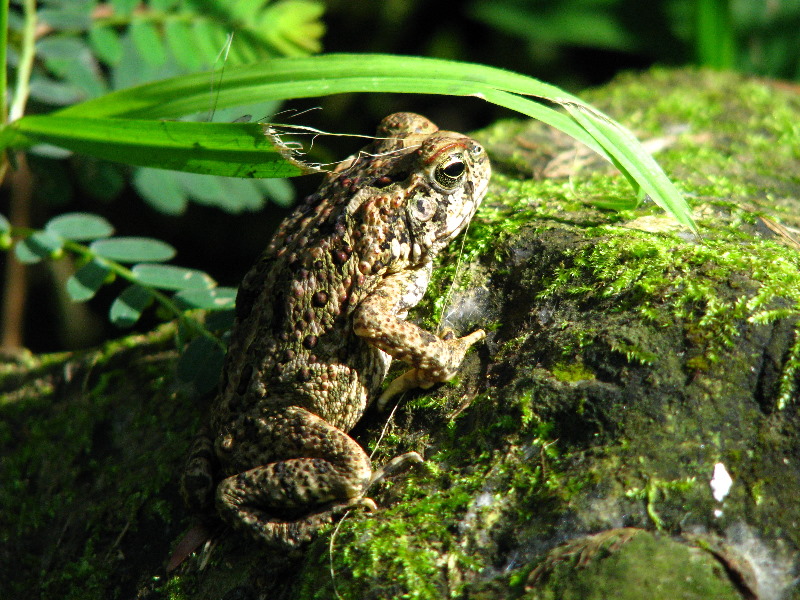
[626, 357]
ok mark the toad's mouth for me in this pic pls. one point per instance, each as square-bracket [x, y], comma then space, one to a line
[458, 221]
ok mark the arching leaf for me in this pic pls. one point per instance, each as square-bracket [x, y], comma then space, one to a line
[133, 249]
[80, 226]
[170, 277]
[128, 306]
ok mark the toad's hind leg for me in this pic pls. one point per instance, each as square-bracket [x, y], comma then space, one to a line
[313, 471]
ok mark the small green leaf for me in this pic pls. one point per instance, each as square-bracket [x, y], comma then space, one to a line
[280, 191]
[201, 364]
[5, 233]
[128, 306]
[148, 42]
[51, 91]
[247, 195]
[206, 40]
[59, 47]
[65, 15]
[83, 285]
[181, 43]
[37, 246]
[219, 298]
[106, 44]
[80, 226]
[230, 194]
[616, 204]
[161, 189]
[170, 277]
[133, 249]
[99, 179]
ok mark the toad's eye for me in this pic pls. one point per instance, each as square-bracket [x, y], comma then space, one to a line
[450, 171]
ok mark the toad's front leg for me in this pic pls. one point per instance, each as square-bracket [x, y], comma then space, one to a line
[380, 318]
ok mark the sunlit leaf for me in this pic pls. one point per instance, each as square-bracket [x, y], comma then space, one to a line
[133, 249]
[218, 298]
[323, 75]
[128, 306]
[80, 226]
[83, 285]
[640, 168]
[170, 277]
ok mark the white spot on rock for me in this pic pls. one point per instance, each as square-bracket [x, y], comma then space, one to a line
[721, 482]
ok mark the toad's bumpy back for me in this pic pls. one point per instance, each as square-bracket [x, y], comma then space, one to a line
[319, 319]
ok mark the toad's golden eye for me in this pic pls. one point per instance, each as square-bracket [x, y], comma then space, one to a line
[450, 171]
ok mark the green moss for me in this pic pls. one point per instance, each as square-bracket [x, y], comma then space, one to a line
[655, 271]
[85, 468]
[406, 551]
[571, 372]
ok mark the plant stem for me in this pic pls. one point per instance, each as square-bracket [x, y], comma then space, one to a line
[15, 287]
[3, 79]
[14, 284]
[3, 53]
[25, 67]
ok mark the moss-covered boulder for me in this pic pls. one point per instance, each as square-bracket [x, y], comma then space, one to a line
[629, 428]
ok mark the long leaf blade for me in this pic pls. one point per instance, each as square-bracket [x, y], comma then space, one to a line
[229, 149]
[321, 75]
[338, 73]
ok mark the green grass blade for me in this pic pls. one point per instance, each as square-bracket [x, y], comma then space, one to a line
[230, 149]
[322, 75]
[715, 36]
[547, 115]
[339, 73]
[638, 167]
